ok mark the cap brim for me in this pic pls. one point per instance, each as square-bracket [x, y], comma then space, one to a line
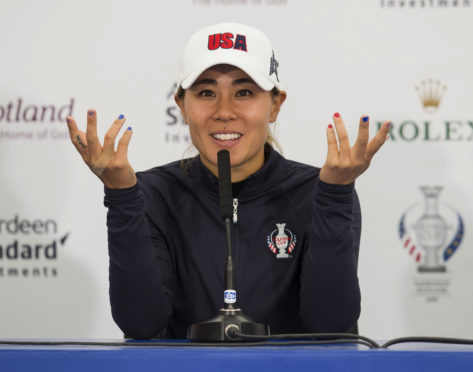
[259, 78]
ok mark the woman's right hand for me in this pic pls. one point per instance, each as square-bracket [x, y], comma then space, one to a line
[112, 167]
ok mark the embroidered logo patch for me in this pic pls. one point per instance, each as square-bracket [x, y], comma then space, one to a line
[227, 41]
[281, 241]
[273, 66]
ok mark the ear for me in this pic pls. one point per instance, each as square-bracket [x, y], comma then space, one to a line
[180, 103]
[276, 105]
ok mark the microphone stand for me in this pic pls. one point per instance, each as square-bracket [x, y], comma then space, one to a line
[230, 319]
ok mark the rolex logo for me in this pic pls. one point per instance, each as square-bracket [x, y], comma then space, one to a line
[430, 94]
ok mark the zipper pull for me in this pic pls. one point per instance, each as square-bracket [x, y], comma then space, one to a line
[235, 210]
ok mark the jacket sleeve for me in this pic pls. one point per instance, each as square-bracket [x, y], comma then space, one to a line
[330, 293]
[140, 266]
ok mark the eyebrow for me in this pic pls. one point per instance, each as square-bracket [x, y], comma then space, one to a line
[205, 81]
[244, 80]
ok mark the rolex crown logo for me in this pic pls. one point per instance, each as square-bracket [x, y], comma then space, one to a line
[430, 94]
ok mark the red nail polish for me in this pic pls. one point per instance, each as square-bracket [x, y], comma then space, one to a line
[337, 115]
[330, 126]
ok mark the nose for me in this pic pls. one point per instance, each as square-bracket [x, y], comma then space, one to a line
[225, 110]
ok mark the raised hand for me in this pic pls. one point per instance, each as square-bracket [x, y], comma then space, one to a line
[111, 166]
[344, 163]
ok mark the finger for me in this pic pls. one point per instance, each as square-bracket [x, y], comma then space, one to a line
[363, 138]
[332, 144]
[91, 134]
[112, 132]
[122, 148]
[342, 135]
[77, 137]
[377, 141]
[72, 127]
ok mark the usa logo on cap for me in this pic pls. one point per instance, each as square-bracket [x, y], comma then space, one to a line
[226, 41]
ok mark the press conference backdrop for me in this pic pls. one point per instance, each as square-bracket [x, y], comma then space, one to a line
[408, 61]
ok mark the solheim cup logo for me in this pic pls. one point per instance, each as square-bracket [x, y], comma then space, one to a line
[432, 234]
[281, 241]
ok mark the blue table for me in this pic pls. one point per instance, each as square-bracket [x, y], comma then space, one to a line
[405, 357]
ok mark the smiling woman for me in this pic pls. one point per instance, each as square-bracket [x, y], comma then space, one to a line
[226, 109]
[296, 228]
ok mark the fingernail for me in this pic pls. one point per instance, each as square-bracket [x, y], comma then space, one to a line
[68, 120]
[91, 113]
[337, 115]
[129, 128]
[121, 116]
[365, 119]
[389, 124]
[330, 126]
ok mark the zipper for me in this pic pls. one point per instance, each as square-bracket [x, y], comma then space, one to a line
[236, 244]
[235, 210]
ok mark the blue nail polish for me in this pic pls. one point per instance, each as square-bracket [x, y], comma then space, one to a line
[365, 119]
[91, 113]
[129, 128]
[68, 120]
[121, 117]
[389, 125]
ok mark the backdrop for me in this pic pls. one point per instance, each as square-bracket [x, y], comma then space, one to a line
[408, 61]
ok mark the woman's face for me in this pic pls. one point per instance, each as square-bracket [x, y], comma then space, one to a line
[225, 109]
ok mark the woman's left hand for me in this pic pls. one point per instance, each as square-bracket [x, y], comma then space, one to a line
[344, 163]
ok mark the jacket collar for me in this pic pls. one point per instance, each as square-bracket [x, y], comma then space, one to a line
[274, 167]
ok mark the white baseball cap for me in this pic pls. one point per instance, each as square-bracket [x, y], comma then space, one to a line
[234, 44]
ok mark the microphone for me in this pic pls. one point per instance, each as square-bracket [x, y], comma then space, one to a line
[225, 184]
[226, 211]
[229, 320]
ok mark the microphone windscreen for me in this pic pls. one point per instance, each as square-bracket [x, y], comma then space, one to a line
[225, 184]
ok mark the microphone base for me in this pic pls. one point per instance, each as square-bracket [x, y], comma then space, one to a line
[217, 328]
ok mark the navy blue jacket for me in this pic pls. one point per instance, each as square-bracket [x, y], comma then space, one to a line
[167, 248]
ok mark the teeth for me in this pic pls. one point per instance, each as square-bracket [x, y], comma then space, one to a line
[227, 136]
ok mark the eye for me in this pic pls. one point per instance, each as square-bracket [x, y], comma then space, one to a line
[244, 93]
[206, 93]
